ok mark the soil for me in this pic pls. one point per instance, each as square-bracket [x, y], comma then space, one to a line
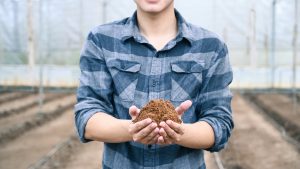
[31, 146]
[282, 110]
[158, 110]
[8, 97]
[18, 103]
[11, 121]
[87, 155]
[210, 161]
[256, 143]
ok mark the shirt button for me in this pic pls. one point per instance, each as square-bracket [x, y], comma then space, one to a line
[155, 82]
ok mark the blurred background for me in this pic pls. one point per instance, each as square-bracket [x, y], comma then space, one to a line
[40, 43]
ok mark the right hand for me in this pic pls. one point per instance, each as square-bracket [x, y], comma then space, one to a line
[145, 131]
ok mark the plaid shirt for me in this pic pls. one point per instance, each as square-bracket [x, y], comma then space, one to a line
[119, 68]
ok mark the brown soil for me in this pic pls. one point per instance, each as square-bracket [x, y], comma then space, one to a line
[158, 110]
[87, 155]
[8, 97]
[27, 104]
[255, 143]
[282, 105]
[16, 103]
[210, 161]
[30, 147]
[11, 121]
[281, 109]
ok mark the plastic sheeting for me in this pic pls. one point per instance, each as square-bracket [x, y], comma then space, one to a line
[60, 28]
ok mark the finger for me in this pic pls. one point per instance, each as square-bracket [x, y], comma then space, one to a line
[175, 126]
[151, 137]
[170, 132]
[136, 127]
[154, 140]
[145, 132]
[163, 133]
[133, 111]
[183, 107]
[160, 140]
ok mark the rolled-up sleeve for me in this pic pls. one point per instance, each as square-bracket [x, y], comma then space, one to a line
[94, 93]
[214, 105]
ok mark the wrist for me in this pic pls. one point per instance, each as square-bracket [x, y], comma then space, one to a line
[125, 125]
[182, 138]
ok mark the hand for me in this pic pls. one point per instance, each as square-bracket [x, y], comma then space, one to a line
[145, 131]
[170, 131]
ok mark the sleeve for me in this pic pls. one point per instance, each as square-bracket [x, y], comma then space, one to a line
[94, 93]
[214, 105]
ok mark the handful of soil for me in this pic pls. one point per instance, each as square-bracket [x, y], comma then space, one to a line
[158, 110]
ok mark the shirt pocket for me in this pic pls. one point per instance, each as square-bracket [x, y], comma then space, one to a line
[186, 79]
[125, 76]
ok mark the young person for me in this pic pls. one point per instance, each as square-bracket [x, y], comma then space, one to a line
[154, 54]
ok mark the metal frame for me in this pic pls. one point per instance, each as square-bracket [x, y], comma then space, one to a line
[295, 55]
[273, 44]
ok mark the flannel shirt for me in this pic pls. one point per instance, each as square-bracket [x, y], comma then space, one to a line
[119, 68]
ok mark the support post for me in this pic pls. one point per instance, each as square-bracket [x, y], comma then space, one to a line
[41, 61]
[31, 38]
[104, 11]
[273, 44]
[252, 37]
[295, 55]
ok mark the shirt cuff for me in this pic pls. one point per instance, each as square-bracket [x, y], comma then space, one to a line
[81, 121]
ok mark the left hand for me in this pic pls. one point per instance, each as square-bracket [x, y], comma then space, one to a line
[170, 131]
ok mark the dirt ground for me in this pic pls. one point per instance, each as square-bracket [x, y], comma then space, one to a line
[281, 104]
[7, 97]
[210, 161]
[17, 103]
[8, 122]
[28, 148]
[282, 110]
[255, 143]
[88, 155]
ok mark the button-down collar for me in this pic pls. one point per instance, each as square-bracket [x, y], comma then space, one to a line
[131, 29]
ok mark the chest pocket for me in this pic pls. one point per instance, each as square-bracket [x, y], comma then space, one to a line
[186, 79]
[125, 76]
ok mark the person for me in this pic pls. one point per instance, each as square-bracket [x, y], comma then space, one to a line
[155, 54]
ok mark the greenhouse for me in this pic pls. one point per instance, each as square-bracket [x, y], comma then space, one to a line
[41, 45]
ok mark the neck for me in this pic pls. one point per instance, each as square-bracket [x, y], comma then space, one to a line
[157, 24]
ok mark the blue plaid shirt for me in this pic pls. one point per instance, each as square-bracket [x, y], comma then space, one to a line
[119, 68]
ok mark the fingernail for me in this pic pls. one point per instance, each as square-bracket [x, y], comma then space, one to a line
[169, 122]
[148, 120]
[153, 125]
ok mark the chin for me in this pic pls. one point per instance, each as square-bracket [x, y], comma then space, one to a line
[153, 6]
[153, 9]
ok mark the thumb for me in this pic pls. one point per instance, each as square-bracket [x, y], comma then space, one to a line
[183, 107]
[133, 112]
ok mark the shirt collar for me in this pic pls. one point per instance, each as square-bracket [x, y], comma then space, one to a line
[131, 29]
